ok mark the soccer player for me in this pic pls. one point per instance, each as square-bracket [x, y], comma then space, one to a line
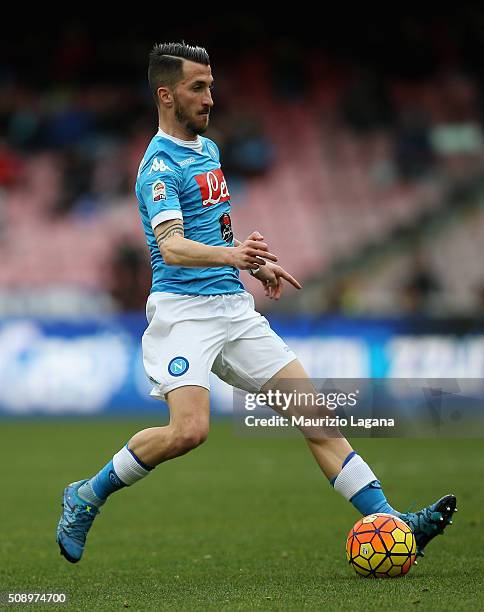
[200, 317]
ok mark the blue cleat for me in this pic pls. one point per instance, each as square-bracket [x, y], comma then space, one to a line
[75, 521]
[430, 521]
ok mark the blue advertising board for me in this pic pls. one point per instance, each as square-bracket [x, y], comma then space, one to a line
[94, 366]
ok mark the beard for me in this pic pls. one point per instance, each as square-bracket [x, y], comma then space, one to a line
[188, 124]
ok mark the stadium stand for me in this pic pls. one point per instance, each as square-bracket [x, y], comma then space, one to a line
[323, 177]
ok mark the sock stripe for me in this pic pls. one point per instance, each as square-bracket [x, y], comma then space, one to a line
[138, 460]
[348, 458]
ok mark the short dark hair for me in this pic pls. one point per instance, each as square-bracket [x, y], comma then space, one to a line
[165, 67]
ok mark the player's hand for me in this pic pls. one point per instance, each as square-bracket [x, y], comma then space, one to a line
[251, 253]
[271, 276]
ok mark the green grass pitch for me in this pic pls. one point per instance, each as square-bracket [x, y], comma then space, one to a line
[238, 524]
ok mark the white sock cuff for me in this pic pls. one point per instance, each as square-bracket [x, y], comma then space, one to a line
[127, 468]
[355, 475]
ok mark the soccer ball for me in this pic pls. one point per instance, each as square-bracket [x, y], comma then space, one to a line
[381, 546]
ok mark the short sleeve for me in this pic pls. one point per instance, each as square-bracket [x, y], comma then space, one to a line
[159, 191]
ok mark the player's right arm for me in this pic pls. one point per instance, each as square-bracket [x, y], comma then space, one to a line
[158, 188]
[177, 250]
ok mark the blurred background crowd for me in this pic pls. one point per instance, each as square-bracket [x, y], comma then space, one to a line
[356, 150]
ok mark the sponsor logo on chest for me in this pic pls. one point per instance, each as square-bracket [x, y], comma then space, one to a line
[213, 187]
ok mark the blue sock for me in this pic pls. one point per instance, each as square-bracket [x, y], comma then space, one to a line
[99, 487]
[124, 469]
[369, 497]
[371, 500]
[106, 481]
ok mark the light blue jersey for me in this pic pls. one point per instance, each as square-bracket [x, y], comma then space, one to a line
[183, 180]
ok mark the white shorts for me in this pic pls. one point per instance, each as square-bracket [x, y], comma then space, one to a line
[189, 336]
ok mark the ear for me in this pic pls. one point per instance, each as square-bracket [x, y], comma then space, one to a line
[165, 97]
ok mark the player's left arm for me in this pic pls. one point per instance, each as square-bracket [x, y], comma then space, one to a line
[271, 275]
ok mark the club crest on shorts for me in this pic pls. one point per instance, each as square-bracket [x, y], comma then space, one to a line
[178, 366]
[226, 227]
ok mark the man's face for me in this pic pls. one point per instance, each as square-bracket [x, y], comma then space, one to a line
[193, 97]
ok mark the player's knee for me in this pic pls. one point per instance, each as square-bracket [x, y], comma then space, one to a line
[190, 436]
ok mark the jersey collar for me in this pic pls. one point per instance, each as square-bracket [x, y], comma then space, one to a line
[196, 145]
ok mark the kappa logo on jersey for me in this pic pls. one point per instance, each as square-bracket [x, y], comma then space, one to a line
[213, 187]
[178, 366]
[159, 191]
[159, 166]
[226, 227]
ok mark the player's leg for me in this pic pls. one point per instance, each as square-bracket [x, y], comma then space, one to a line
[329, 448]
[344, 468]
[256, 359]
[350, 475]
[182, 339]
[187, 429]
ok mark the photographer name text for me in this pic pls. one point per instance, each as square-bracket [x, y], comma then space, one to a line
[302, 421]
